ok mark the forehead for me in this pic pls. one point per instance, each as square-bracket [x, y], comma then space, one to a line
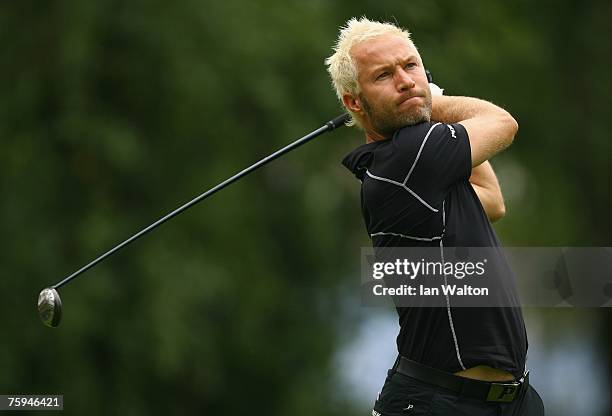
[382, 50]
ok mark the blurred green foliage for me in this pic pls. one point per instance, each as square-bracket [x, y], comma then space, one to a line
[113, 113]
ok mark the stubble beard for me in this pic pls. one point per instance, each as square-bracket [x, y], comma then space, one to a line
[385, 121]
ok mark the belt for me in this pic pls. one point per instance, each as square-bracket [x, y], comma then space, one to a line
[482, 390]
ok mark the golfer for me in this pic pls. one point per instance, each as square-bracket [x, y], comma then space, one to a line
[426, 180]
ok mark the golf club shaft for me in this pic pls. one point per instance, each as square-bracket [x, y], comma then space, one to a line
[329, 126]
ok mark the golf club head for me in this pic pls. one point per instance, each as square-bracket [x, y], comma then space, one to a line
[50, 307]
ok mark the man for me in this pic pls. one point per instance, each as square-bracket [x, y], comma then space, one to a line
[426, 181]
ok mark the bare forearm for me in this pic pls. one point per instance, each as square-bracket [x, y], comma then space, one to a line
[490, 128]
[487, 188]
[449, 109]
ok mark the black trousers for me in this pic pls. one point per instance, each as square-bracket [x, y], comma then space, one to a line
[405, 396]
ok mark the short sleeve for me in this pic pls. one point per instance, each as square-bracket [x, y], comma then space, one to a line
[443, 159]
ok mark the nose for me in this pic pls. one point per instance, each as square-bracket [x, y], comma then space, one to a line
[403, 80]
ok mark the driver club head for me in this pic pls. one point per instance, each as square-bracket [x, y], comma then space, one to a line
[50, 307]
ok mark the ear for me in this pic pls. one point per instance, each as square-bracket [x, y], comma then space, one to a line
[352, 103]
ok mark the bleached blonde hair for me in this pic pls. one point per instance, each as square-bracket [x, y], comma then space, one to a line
[341, 66]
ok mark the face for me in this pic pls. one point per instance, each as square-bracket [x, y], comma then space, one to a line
[393, 84]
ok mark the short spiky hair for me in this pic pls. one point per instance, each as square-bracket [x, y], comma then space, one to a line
[340, 65]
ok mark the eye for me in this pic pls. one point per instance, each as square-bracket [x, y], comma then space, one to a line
[410, 65]
[382, 75]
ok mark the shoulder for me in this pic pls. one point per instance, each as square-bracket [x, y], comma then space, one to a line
[432, 133]
[415, 130]
[415, 135]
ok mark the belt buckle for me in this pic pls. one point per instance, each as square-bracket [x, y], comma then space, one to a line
[503, 392]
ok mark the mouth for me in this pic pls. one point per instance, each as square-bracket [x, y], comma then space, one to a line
[408, 100]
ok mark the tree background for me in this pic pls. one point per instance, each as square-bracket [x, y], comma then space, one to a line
[113, 113]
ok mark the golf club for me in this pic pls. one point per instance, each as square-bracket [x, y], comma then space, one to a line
[49, 302]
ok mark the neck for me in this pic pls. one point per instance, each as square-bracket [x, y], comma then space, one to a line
[373, 136]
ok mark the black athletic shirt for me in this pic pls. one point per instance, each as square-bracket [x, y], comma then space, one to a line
[415, 192]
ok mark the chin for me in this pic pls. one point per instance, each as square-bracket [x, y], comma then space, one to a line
[421, 116]
[416, 119]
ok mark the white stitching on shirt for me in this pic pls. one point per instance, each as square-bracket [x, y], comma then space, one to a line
[448, 308]
[419, 153]
[409, 236]
[401, 185]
